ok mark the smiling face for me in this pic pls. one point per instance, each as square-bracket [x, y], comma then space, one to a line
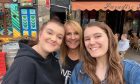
[96, 41]
[51, 36]
[72, 38]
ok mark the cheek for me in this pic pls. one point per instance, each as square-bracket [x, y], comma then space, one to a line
[42, 36]
[67, 41]
[59, 42]
[78, 38]
[106, 44]
[66, 38]
[86, 44]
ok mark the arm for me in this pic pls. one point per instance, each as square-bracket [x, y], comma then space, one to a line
[22, 71]
[136, 75]
[75, 75]
[132, 72]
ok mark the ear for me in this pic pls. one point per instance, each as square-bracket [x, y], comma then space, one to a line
[39, 35]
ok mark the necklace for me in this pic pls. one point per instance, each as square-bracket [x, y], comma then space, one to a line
[104, 81]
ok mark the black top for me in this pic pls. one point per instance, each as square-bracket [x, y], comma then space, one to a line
[68, 68]
[30, 68]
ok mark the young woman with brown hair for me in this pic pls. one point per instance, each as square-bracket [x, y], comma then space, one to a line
[101, 63]
[38, 64]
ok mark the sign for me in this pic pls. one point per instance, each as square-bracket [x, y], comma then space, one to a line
[26, 1]
[106, 6]
[15, 20]
[125, 6]
[29, 23]
[2, 64]
[48, 4]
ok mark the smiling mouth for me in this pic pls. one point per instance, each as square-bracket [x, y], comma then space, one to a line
[52, 44]
[93, 49]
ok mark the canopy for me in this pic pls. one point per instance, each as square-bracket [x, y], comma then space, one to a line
[106, 6]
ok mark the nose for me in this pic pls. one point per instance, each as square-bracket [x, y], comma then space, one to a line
[53, 38]
[92, 41]
[72, 36]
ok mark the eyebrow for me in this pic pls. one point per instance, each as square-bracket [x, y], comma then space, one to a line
[49, 29]
[53, 31]
[61, 35]
[95, 34]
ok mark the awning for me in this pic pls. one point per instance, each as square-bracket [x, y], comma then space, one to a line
[106, 6]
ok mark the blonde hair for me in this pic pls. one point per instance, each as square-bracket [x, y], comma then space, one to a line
[115, 69]
[64, 49]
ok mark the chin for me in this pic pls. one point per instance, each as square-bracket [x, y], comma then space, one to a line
[73, 47]
[95, 55]
[50, 50]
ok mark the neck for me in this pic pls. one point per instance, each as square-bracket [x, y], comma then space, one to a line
[102, 61]
[42, 53]
[102, 66]
[73, 54]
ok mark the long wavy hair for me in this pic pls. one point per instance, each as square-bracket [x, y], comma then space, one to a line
[115, 68]
[64, 49]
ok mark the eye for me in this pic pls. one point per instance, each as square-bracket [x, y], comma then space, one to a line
[86, 39]
[97, 36]
[68, 33]
[60, 37]
[76, 33]
[49, 32]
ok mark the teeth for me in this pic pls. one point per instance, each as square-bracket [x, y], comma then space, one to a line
[93, 49]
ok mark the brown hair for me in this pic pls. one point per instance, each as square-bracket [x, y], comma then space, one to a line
[64, 49]
[115, 68]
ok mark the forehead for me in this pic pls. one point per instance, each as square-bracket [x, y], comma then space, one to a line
[93, 30]
[70, 28]
[54, 27]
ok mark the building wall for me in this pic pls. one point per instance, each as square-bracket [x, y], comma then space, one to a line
[4, 1]
[5, 22]
[76, 15]
[43, 12]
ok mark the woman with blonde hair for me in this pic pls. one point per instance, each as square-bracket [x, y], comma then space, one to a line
[71, 49]
[102, 63]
